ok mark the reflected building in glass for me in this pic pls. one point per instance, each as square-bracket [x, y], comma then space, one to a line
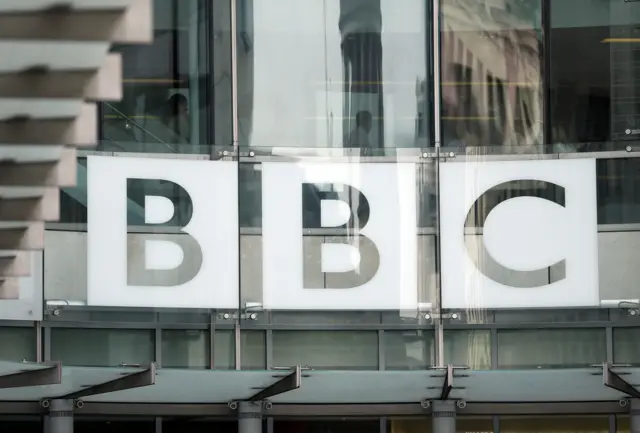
[320, 216]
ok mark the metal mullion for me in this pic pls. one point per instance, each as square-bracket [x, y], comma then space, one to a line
[610, 343]
[493, 342]
[381, 351]
[158, 346]
[39, 342]
[46, 347]
[268, 347]
[212, 340]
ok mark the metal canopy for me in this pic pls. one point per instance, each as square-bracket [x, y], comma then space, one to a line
[614, 380]
[50, 375]
[126, 382]
[286, 383]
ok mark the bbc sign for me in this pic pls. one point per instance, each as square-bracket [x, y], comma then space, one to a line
[187, 252]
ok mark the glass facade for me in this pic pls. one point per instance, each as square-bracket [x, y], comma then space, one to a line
[519, 117]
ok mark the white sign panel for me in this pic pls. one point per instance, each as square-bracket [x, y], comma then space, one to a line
[368, 263]
[192, 259]
[519, 234]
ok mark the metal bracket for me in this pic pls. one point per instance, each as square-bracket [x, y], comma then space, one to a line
[447, 383]
[438, 316]
[51, 375]
[614, 380]
[236, 316]
[284, 384]
[127, 381]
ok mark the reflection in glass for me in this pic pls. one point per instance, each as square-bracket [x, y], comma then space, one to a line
[408, 350]
[468, 348]
[625, 346]
[569, 424]
[252, 350]
[361, 84]
[102, 347]
[318, 426]
[463, 424]
[338, 350]
[491, 73]
[167, 85]
[537, 348]
[593, 62]
[17, 344]
[185, 348]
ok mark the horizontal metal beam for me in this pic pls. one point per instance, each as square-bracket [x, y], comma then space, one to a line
[123, 383]
[51, 375]
[613, 380]
[285, 384]
[334, 410]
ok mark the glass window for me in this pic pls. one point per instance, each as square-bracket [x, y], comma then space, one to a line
[176, 96]
[625, 345]
[363, 81]
[317, 426]
[468, 348]
[85, 426]
[326, 349]
[408, 350]
[224, 355]
[593, 65]
[102, 347]
[182, 425]
[17, 344]
[252, 350]
[463, 425]
[551, 348]
[185, 348]
[569, 424]
[172, 86]
[491, 73]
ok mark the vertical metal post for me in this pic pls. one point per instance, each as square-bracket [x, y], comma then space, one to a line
[437, 137]
[234, 74]
[634, 415]
[60, 417]
[444, 416]
[250, 417]
[195, 20]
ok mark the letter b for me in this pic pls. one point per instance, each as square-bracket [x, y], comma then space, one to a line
[162, 233]
[366, 210]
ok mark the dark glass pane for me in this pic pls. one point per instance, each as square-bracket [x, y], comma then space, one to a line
[538, 348]
[102, 347]
[408, 350]
[326, 349]
[625, 346]
[469, 348]
[18, 344]
[317, 426]
[593, 61]
[185, 348]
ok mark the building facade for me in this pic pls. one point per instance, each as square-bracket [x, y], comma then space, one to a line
[321, 216]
